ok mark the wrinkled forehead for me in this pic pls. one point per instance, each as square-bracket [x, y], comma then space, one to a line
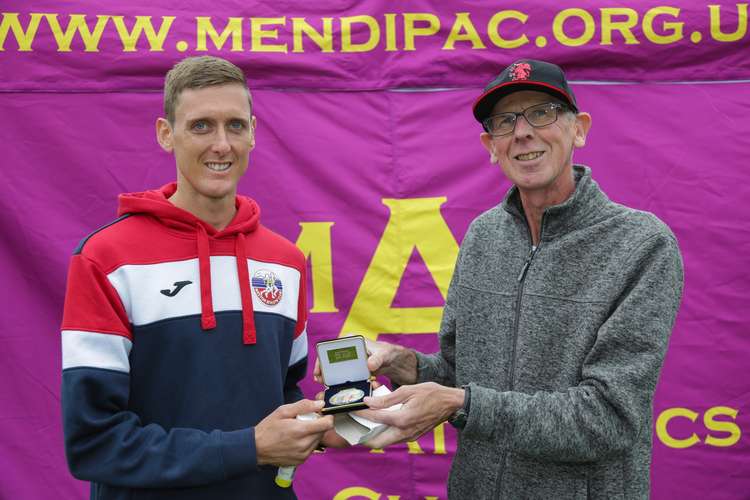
[518, 101]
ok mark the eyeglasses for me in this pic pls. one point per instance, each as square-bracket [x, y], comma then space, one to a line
[538, 115]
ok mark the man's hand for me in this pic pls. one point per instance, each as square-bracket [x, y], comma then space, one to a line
[331, 439]
[397, 363]
[425, 406]
[281, 439]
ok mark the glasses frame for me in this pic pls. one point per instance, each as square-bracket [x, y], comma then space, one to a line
[554, 105]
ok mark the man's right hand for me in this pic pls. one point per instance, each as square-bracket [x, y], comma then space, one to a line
[397, 363]
[281, 439]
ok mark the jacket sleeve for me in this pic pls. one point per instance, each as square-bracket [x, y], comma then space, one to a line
[106, 443]
[603, 415]
[440, 366]
[297, 367]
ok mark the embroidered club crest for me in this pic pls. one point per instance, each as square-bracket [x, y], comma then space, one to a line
[520, 71]
[267, 287]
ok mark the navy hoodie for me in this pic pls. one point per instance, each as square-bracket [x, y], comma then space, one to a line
[177, 339]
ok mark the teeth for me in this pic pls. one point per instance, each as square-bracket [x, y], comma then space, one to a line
[218, 167]
[530, 156]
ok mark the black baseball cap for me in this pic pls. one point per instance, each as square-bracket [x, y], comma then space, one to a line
[526, 74]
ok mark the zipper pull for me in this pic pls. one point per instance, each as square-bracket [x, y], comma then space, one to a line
[526, 264]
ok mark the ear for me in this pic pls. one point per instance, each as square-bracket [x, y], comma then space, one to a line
[582, 126]
[486, 140]
[164, 135]
[253, 124]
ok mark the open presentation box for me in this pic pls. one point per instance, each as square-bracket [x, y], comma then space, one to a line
[343, 365]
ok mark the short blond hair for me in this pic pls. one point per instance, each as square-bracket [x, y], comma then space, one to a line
[197, 73]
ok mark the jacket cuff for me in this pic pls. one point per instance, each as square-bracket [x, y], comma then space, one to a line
[428, 369]
[482, 417]
[238, 451]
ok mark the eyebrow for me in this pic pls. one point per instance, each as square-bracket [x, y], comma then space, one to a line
[213, 120]
[551, 101]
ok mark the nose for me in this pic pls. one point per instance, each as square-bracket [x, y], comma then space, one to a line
[522, 129]
[221, 142]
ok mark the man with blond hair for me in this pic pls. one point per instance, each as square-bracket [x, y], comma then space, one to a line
[183, 335]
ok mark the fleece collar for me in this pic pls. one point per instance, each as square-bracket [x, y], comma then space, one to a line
[581, 209]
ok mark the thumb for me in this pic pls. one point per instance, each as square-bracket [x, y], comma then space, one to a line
[317, 374]
[300, 407]
[381, 402]
[374, 362]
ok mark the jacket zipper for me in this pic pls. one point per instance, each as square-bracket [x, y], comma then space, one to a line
[522, 274]
[521, 281]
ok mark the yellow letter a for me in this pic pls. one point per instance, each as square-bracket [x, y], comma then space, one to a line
[315, 242]
[413, 223]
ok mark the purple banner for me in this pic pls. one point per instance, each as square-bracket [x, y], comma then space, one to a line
[371, 45]
[378, 187]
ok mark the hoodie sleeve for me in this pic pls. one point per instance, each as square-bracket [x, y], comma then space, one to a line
[602, 415]
[298, 357]
[106, 443]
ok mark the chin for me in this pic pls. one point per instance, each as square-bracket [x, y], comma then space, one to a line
[529, 179]
[218, 192]
[534, 184]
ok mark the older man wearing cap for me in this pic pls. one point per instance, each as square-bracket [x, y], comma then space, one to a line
[556, 322]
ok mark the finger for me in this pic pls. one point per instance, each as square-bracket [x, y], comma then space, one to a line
[326, 422]
[365, 413]
[380, 441]
[320, 396]
[392, 418]
[376, 402]
[288, 462]
[310, 444]
[385, 438]
[319, 426]
[418, 433]
[311, 406]
[317, 374]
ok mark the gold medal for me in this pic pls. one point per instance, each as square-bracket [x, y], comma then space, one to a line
[346, 396]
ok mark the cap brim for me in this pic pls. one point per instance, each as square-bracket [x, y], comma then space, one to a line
[484, 104]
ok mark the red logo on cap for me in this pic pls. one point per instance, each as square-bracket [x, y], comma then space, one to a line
[520, 71]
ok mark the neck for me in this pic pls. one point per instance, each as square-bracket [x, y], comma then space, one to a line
[217, 212]
[535, 202]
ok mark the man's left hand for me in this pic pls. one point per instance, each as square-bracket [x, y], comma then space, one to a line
[424, 406]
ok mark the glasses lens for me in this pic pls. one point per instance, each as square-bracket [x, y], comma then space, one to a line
[500, 124]
[541, 115]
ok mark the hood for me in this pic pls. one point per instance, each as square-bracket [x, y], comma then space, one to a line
[156, 203]
[247, 219]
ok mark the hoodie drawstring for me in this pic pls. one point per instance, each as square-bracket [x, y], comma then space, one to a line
[246, 220]
[248, 320]
[208, 319]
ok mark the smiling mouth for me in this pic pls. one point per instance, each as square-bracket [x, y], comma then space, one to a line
[529, 156]
[218, 166]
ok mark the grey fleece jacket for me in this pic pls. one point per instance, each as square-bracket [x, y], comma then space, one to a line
[561, 348]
